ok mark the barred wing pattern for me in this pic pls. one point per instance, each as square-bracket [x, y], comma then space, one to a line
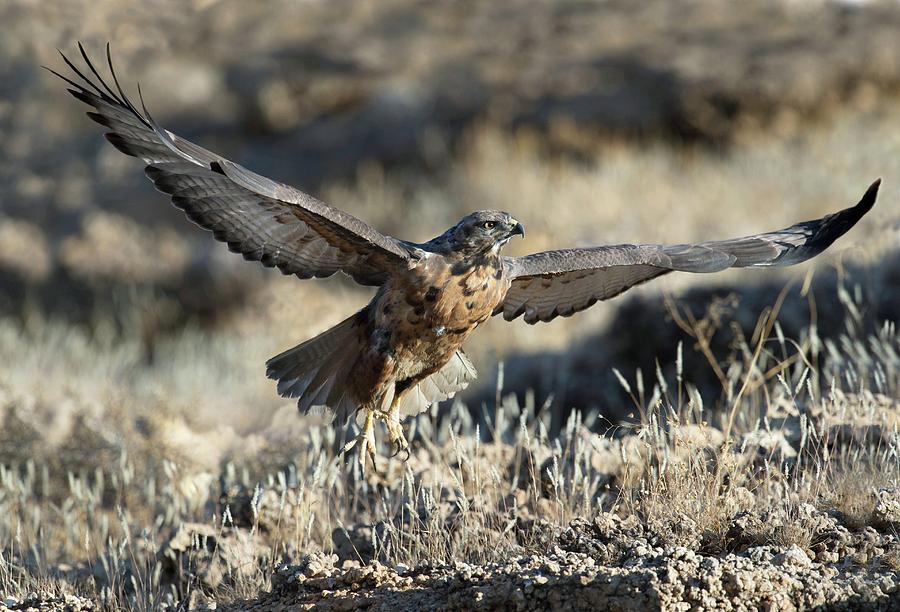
[559, 283]
[265, 221]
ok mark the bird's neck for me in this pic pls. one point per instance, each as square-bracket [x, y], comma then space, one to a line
[461, 262]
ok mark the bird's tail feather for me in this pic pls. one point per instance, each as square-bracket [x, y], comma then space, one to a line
[317, 371]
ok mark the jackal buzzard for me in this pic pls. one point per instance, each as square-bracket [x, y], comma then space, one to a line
[402, 351]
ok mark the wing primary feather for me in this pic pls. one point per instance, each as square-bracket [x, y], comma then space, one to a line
[80, 74]
[65, 78]
[90, 66]
[125, 99]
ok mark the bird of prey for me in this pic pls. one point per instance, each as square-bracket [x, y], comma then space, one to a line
[403, 350]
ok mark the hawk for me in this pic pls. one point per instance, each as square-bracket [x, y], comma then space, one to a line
[403, 350]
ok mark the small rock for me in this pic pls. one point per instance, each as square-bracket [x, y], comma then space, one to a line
[793, 556]
[887, 506]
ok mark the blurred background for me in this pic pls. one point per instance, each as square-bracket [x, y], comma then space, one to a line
[592, 122]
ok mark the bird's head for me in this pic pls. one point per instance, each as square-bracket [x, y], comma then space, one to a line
[482, 232]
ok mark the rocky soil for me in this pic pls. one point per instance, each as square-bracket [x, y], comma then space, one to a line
[36, 603]
[610, 562]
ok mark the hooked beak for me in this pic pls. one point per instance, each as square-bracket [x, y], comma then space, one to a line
[518, 229]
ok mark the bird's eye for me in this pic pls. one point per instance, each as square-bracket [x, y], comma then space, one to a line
[488, 224]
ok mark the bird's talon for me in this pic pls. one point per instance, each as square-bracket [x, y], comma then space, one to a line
[397, 439]
[367, 449]
[364, 444]
[399, 448]
[371, 454]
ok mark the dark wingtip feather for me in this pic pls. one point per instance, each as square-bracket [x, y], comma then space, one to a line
[90, 65]
[90, 83]
[869, 197]
[83, 95]
[91, 88]
[125, 145]
[125, 101]
[847, 218]
[827, 230]
[147, 114]
[64, 78]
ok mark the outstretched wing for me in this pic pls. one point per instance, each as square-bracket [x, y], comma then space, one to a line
[264, 220]
[560, 283]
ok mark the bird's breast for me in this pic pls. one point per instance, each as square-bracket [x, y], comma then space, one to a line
[441, 301]
[460, 297]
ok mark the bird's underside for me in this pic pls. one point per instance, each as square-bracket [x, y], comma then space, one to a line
[402, 351]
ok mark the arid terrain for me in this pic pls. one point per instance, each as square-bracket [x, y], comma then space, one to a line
[705, 442]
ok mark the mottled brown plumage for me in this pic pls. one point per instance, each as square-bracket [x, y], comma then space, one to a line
[403, 351]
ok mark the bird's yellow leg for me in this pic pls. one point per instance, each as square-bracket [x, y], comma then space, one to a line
[395, 429]
[364, 442]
